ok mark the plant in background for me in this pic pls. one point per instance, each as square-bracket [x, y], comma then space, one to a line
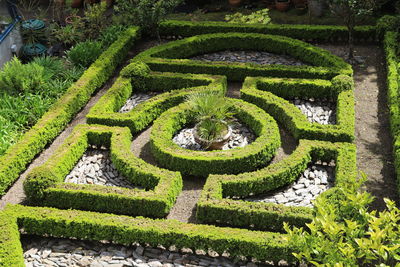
[146, 13]
[95, 17]
[110, 34]
[345, 233]
[210, 111]
[350, 11]
[260, 16]
[16, 77]
[68, 35]
[53, 66]
[85, 53]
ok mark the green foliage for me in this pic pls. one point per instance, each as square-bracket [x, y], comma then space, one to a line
[202, 163]
[16, 77]
[110, 34]
[49, 126]
[85, 53]
[257, 17]
[344, 233]
[53, 66]
[95, 18]
[45, 184]
[138, 72]
[145, 13]
[172, 57]
[69, 34]
[217, 206]
[317, 33]
[126, 230]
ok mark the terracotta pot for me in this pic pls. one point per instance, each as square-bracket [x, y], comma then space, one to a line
[71, 19]
[235, 3]
[270, 4]
[299, 2]
[76, 3]
[215, 145]
[301, 9]
[282, 5]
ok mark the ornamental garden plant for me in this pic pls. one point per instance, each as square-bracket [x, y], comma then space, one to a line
[191, 146]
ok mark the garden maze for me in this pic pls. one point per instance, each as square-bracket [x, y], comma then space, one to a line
[247, 195]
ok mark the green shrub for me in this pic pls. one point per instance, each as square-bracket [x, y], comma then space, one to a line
[53, 66]
[16, 77]
[110, 34]
[16, 158]
[344, 233]
[260, 16]
[85, 53]
[138, 72]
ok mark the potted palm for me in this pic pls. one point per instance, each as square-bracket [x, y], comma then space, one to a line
[210, 111]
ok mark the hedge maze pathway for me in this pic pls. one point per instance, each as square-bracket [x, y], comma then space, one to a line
[197, 199]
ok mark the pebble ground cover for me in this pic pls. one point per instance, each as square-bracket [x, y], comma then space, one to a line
[287, 85]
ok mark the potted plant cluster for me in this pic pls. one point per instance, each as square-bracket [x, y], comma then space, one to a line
[211, 112]
[282, 5]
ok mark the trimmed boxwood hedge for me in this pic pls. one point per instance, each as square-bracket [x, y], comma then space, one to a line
[16, 158]
[268, 94]
[320, 33]
[125, 230]
[173, 56]
[106, 109]
[45, 184]
[202, 163]
[215, 207]
[391, 46]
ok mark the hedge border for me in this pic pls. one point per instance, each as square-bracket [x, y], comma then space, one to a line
[320, 33]
[125, 230]
[105, 111]
[18, 156]
[173, 56]
[202, 163]
[392, 81]
[214, 207]
[268, 93]
[45, 184]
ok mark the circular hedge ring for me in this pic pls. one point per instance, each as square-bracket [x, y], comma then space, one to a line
[202, 163]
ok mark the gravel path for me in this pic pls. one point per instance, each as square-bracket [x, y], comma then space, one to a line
[373, 139]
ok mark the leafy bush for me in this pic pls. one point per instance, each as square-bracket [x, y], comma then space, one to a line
[260, 16]
[110, 34]
[17, 77]
[85, 53]
[95, 17]
[145, 13]
[345, 233]
[53, 66]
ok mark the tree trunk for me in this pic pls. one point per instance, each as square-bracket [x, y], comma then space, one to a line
[350, 28]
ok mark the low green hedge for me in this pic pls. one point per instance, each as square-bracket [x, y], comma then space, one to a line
[391, 46]
[202, 163]
[16, 158]
[127, 231]
[215, 207]
[173, 57]
[45, 184]
[106, 109]
[320, 33]
[268, 93]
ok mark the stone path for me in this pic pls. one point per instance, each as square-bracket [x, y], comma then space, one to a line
[45, 252]
[319, 111]
[95, 167]
[315, 180]
[135, 100]
[255, 57]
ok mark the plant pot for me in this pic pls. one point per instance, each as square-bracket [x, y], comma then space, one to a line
[300, 9]
[216, 144]
[76, 3]
[235, 3]
[316, 7]
[270, 4]
[299, 2]
[282, 5]
[71, 19]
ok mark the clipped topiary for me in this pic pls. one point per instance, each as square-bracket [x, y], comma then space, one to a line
[342, 83]
[138, 71]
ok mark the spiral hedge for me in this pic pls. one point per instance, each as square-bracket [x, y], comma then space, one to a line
[227, 223]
